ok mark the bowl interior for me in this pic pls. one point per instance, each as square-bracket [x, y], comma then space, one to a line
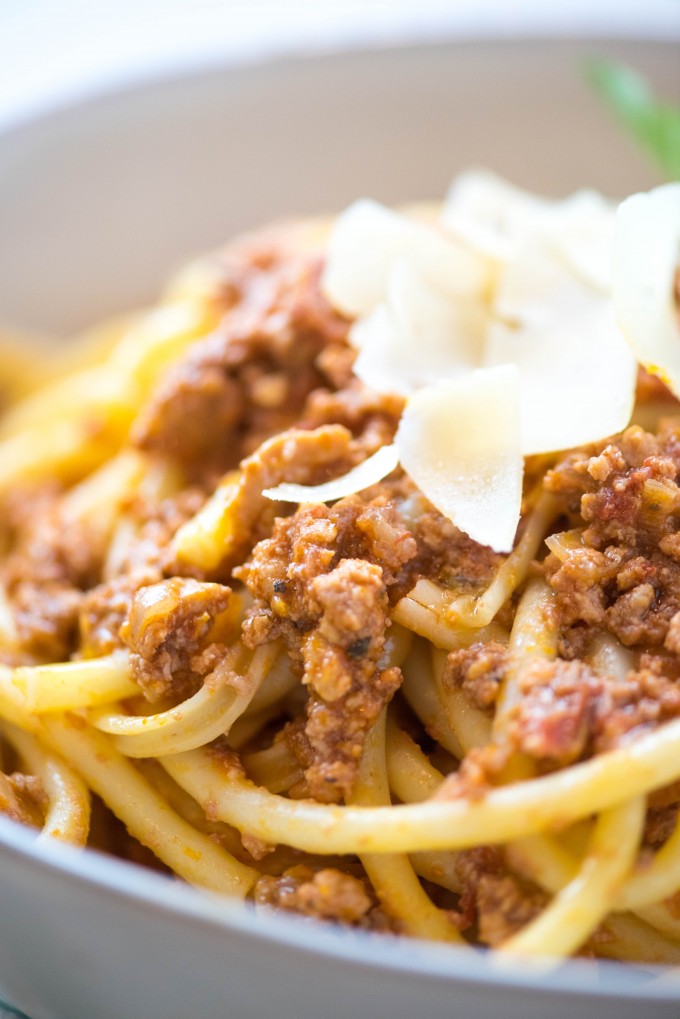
[99, 201]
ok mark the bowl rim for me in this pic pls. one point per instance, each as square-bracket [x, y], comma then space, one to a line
[271, 51]
[120, 879]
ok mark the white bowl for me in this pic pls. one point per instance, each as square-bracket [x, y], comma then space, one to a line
[99, 201]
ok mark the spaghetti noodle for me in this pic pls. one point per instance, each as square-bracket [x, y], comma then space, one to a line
[351, 708]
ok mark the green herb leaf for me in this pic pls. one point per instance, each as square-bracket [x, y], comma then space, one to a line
[654, 124]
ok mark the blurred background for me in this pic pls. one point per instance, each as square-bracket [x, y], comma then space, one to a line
[55, 48]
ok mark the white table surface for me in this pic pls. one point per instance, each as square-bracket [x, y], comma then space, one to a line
[53, 49]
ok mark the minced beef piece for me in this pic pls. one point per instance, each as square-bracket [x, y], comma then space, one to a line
[167, 625]
[23, 798]
[491, 898]
[370, 416]
[251, 378]
[479, 670]
[104, 609]
[567, 711]
[148, 546]
[626, 573]
[295, 456]
[54, 559]
[323, 581]
[326, 894]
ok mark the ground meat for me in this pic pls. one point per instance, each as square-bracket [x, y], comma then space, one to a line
[104, 609]
[53, 560]
[325, 894]
[371, 417]
[250, 379]
[296, 456]
[625, 572]
[336, 732]
[567, 711]
[554, 719]
[167, 625]
[323, 581]
[503, 908]
[148, 546]
[660, 824]
[479, 670]
[23, 798]
[494, 900]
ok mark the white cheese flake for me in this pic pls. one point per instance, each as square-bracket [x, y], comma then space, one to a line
[580, 230]
[366, 242]
[577, 374]
[417, 336]
[646, 266]
[368, 473]
[460, 443]
[576, 378]
[489, 214]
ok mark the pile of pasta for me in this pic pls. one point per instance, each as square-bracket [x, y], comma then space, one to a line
[81, 727]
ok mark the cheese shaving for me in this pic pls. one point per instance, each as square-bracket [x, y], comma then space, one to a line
[417, 336]
[460, 443]
[496, 219]
[499, 330]
[646, 266]
[490, 214]
[560, 333]
[366, 242]
[580, 230]
[368, 473]
[576, 378]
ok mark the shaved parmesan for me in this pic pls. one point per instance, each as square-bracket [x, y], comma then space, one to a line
[368, 473]
[417, 336]
[536, 287]
[496, 218]
[646, 264]
[580, 230]
[492, 216]
[368, 239]
[560, 333]
[460, 443]
[576, 377]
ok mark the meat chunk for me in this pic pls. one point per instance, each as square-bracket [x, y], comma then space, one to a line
[23, 799]
[625, 573]
[295, 456]
[323, 581]
[54, 558]
[144, 558]
[167, 625]
[479, 670]
[326, 894]
[556, 716]
[250, 379]
[370, 416]
[498, 903]
[568, 712]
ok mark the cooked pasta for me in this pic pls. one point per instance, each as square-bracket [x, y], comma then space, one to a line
[370, 707]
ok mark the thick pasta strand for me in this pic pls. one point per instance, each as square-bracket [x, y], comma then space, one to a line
[66, 686]
[580, 906]
[67, 817]
[392, 876]
[501, 815]
[147, 816]
[199, 720]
